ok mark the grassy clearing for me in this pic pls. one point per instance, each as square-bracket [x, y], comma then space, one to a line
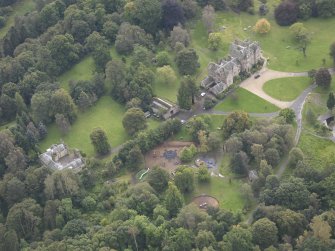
[217, 121]
[19, 9]
[244, 100]
[8, 125]
[319, 153]
[106, 114]
[286, 89]
[84, 70]
[228, 194]
[278, 44]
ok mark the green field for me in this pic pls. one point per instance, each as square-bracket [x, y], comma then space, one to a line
[244, 100]
[286, 89]
[278, 44]
[19, 9]
[319, 153]
[84, 70]
[228, 194]
[106, 114]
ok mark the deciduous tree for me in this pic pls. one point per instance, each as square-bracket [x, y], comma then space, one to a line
[323, 78]
[100, 141]
[262, 26]
[173, 200]
[301, 35]
[264, 233]
[134, 121]
[208, 16]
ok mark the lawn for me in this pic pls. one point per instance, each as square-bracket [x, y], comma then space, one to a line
[84, 70]
[286, 89]
[106, 114]
[319, 153]
[19, 9]
[228, 194]
[183, 135]
[278, 44]
[244, 100]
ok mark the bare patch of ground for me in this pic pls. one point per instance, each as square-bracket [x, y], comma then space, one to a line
[157, 156]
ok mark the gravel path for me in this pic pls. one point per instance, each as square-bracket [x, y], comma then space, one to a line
[256, 85]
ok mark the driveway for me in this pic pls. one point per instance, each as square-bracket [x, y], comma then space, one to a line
[256, 85]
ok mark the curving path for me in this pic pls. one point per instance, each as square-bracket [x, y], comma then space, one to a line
[256, 85]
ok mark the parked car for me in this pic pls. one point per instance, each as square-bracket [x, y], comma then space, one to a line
[257, 76]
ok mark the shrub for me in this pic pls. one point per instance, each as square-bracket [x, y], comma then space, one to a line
[286, 13]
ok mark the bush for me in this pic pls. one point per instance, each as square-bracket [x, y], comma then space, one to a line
[286, 13]
[209, 103]
[203, 175]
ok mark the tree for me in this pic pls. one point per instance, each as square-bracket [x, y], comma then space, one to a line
[205, 239]
[239, 164]
[187, 61]
[145, 13]
[134, 121]
[172, 14]
[203, 174]
[158, 178]
[179, 35]
[272, 156]
[188, 153]
[25, 219]
[295, 156]
[286, 13]
[61, 184]
[242, 5]
[288, 114]
[301, 35]
[15, 191]
[184, 179]
[235, 122]
[208, 16]
[331, 101]
[100, 141]
[332, 52]
[62, 103]
[323, 78]
[74, 227]
[238, 239]
[203, 140]
[293, 194]
[16, 160]
[264, 233]
[173, 200]
[166, 75]
[135, 159]
[62, 123]
[214, 40]
[184, 97]
[214, 141]
[162, 58]
[262, 26]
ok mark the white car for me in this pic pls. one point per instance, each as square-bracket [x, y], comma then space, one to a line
[182, 121]
[203, 94]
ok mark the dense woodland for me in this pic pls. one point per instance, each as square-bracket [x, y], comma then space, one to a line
[43, 209]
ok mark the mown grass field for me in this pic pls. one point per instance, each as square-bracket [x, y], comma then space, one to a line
[278, 44]
[106, 114]
[228, 194]
[286, 89]
[244, 100]
[19, 9]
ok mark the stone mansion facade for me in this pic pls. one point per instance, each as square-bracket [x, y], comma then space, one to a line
[243, 55]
